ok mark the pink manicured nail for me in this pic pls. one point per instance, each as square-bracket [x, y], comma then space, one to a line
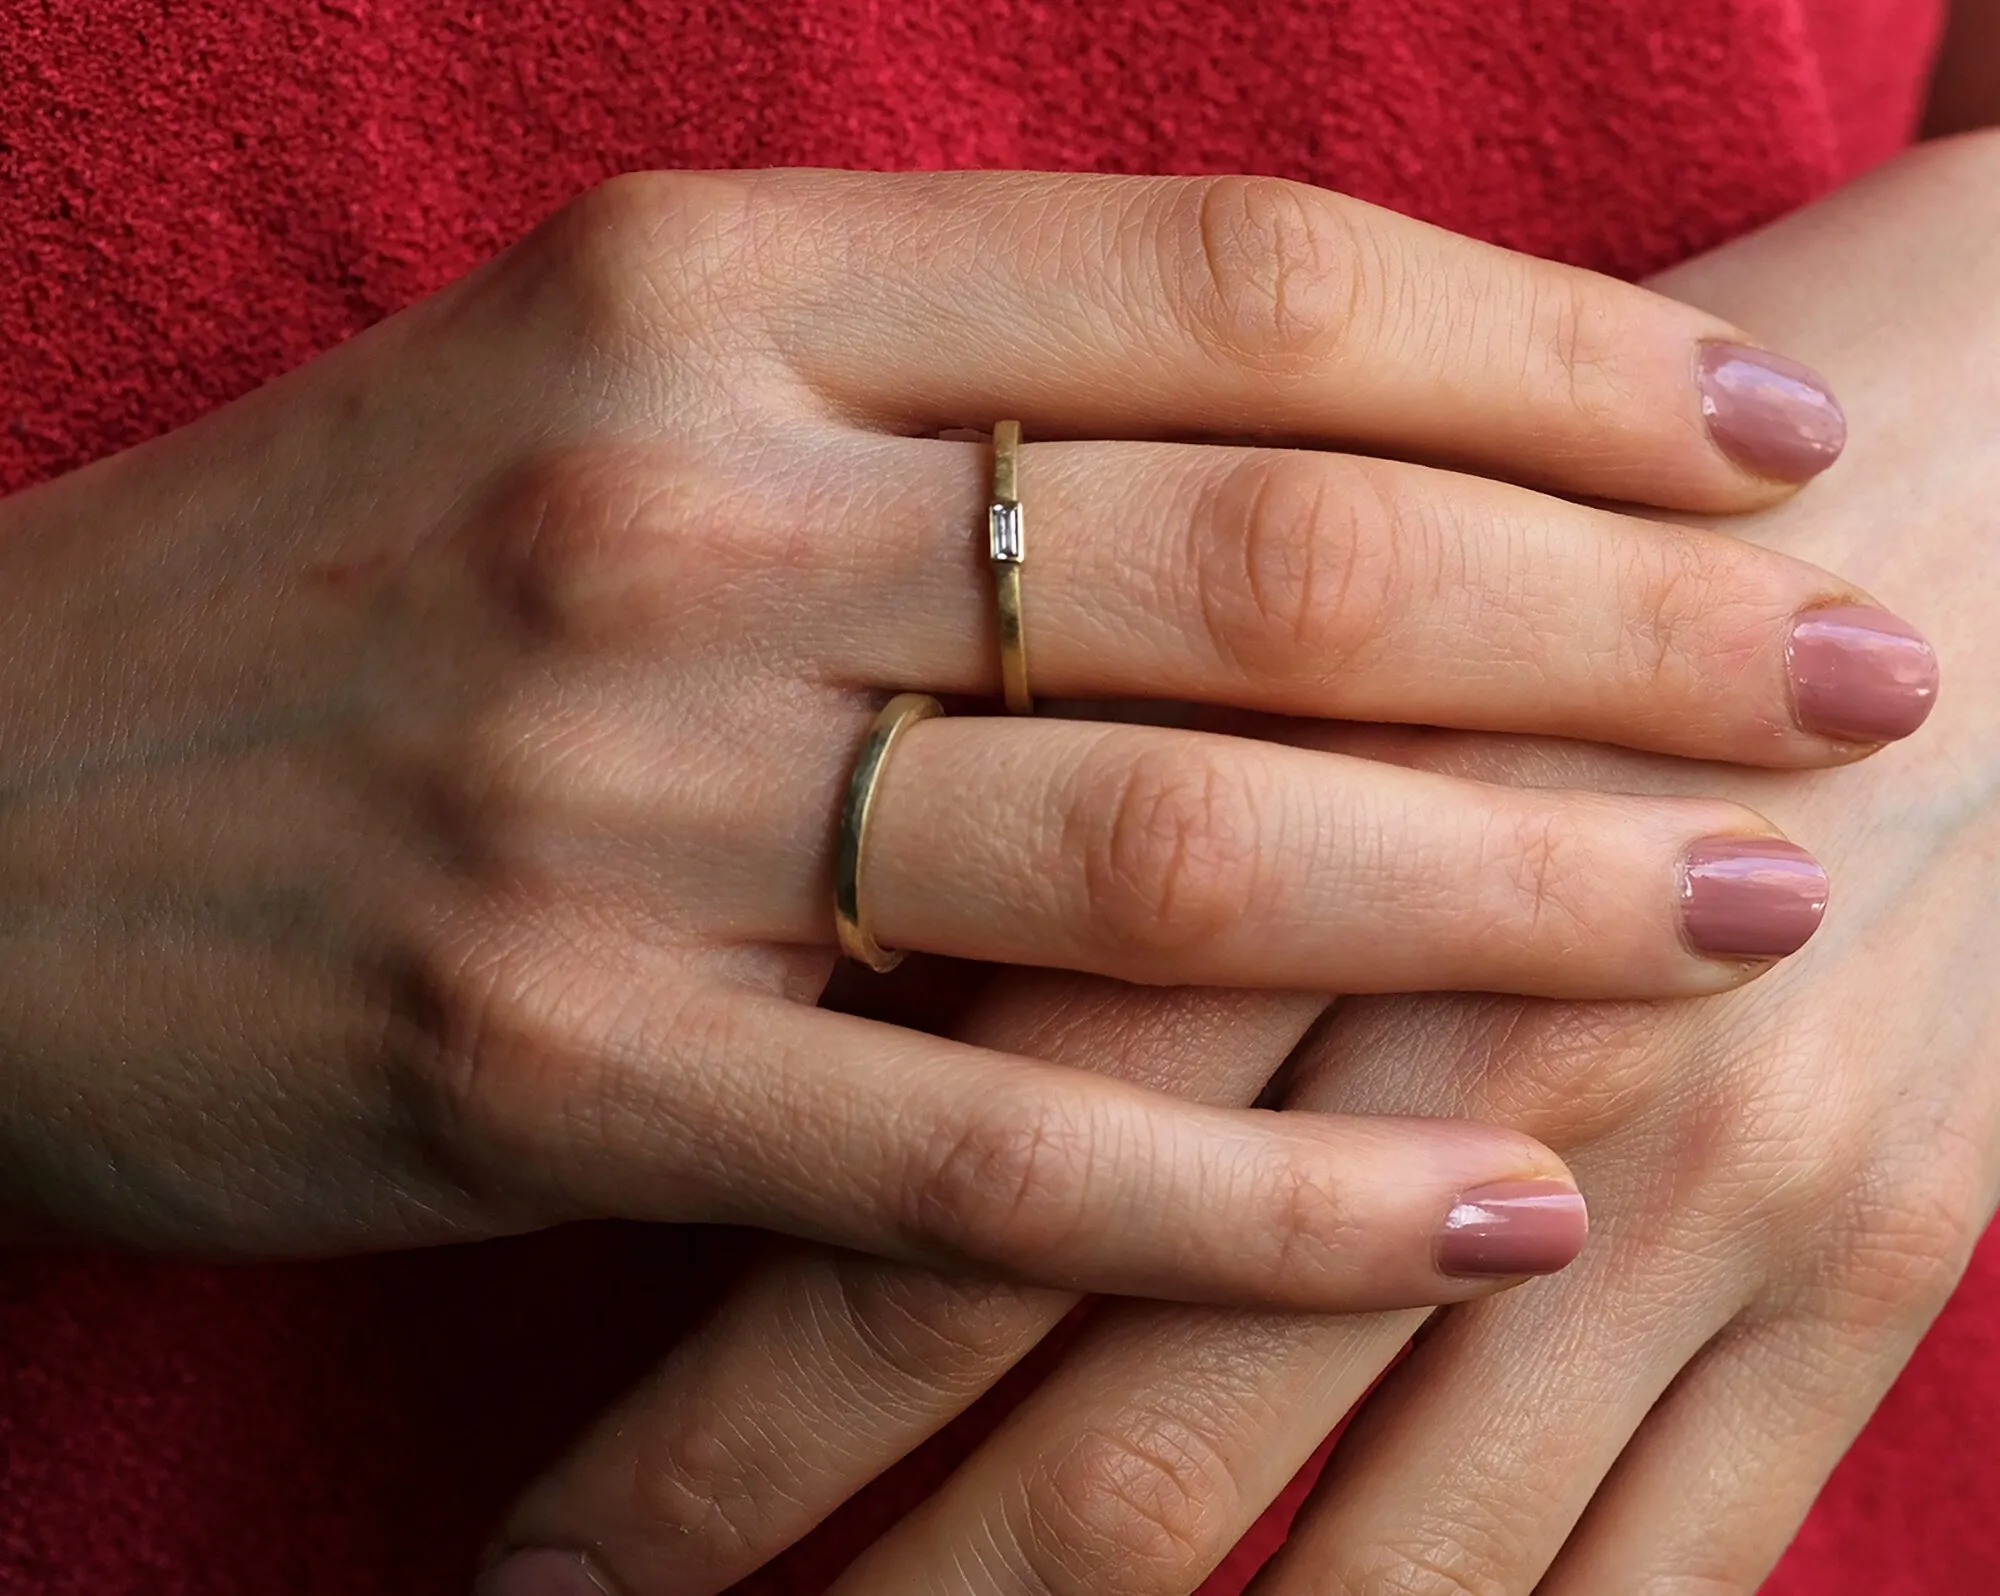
[1513, 1227]
[540, 1573]
[1860, 675]
[1770, 415]
[1751, 897]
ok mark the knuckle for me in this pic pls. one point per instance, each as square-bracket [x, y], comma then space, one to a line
[481, 1053]
[594, 546]
[1310, 1221]
[1010, 1183]
[1678, 600]
[932, 1331]
[1574, 354]
[1171, 842]
[1884, 1217]
[1277, 276]
[1549, 882]
[644, 261]
[1299, 566]
[1755, 1148]
[1575, 1071]
[696, 1481]
[496, 1060]
[1908, 1239]
[1142, 1510]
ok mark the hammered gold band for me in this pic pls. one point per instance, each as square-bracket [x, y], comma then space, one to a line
[1006, 546]
[850, 855]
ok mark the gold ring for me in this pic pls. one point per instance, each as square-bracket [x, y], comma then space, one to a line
[1007, 552]
[851, 853]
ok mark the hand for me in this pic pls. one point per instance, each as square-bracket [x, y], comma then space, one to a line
[422, 774]
[1785, 1181]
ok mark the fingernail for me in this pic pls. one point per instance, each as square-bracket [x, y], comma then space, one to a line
[1513, 1227]
[1770, 415]
[540, 1573]
[1860, 675]
[1751, 897]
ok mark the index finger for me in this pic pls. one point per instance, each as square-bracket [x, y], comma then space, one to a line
[1111, 306]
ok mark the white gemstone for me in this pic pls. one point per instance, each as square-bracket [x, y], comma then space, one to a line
[1003, 529]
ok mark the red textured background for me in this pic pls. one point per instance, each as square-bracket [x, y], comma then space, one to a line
[196, 195]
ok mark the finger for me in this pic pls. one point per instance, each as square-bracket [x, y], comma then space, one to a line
[1136, 1468]
[1482, 1449]
[1177, 858]
[904, 1146]
[728, 1452]
[1712, 1489]
[1329, 585]
[1140, 1463]
[1089, 305]
[1470, 1466]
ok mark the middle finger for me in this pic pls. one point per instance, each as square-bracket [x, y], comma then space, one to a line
[1331, 585]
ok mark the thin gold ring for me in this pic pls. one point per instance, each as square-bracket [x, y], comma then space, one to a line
[850, 855]
[1007, 550]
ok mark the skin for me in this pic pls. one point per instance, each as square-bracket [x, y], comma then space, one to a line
[422, 773]
[1786, 1181]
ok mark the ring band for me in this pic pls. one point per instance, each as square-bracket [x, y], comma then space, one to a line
[851, 853]
[1008, 553]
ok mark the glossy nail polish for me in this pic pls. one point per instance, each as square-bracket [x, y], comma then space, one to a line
[1770, 415]
[1751, 897]
[540, 1573]
[1859, 674]
[1513, 1227]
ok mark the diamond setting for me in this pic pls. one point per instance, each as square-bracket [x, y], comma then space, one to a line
[1003, 531]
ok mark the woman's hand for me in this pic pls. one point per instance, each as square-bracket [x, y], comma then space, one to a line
[1784, 1182]
[422, 776]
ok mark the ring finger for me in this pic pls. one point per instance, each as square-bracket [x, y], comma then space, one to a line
[1175, 857]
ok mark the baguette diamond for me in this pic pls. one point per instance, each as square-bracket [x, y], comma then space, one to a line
[1003, 531]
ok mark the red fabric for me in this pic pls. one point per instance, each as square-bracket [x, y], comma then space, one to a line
[195, 195]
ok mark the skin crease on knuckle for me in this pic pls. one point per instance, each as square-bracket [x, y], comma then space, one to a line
[1299, 566]
[1689, 602]
[1132, 1509]
[1023, 1181]
[1577, 334]
[1271, 276]
[944, 1333]
[1013, 1173]
[1173, 851]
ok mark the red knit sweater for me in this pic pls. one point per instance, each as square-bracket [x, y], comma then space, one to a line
[197, 194]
